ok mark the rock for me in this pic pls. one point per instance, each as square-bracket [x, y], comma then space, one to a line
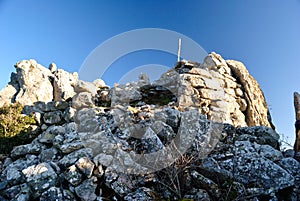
[69, 114]
[31, 83]
[86, 190]
[73, 176]
[288, 153]
[268, 152]
[56, 194]
[143, 80]
[99, 83]
[14, 176]
[52, 67]
[20, 192]
[82, 86]
[140, 194]
[124, 94]
[257, 110]
[197, 194]
[184, 137]
[86, 166]
[265, 135]
[297, 123]
[52, 117]
[40, 178]
[290, 165]
[63, 84]
[71, 158]
[70, 147]
[249, 166]
[48, 155]
[82, 100]
[33, 148]
[206, 183]
[121, 183]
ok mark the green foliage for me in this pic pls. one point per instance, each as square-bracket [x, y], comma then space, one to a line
[14, 127]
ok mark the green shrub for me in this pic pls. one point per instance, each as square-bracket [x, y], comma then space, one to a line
[14, 127]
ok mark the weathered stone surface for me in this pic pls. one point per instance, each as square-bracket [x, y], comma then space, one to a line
[264, 135]
[52, 117]
[124, 94]
[86, 166]
[143, 80]
[33, 148]
[40, 178]
[140, 194]
[257, 110]
[63, 84]
[248, 166]
[82, 86]
[73, 176]
[31, 83]
[206, 183]
[99, 83]
[82, 100]
[57, 194]
[197, 194]
[86, 190]
[183, 137]
[52, 67]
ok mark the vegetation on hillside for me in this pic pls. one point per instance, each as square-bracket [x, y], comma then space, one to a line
[14, 127]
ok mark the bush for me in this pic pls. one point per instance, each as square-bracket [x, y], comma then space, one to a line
[14, 127]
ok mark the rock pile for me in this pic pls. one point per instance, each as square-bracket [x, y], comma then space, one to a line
[197, 133]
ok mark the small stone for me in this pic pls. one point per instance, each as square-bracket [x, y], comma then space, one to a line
[14, 176]
[69, 114]
[289, 153]
[54, 117]
[86, 166]
[73, 176]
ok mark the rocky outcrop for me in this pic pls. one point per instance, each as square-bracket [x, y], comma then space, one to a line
[32, 82]
[222, 90]
[198, 133]
[99, 157]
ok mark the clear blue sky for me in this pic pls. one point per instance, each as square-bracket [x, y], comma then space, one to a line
[263, 34]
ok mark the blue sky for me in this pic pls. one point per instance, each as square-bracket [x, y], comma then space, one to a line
[263, 34]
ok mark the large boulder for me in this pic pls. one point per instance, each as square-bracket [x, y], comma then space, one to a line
[31, 83]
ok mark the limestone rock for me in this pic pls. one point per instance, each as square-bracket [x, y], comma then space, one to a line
[57, 194]
[40, 178]
[99, 83]
[52, 67]
[53, 117]
[257, 110]
[86, 166]
[86, 190]
[82, 100]
[31, 83]
[82, 86]
[63, 84]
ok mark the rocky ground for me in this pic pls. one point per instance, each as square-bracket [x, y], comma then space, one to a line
[200, 132]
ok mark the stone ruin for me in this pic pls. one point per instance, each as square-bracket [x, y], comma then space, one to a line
[86, 150]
